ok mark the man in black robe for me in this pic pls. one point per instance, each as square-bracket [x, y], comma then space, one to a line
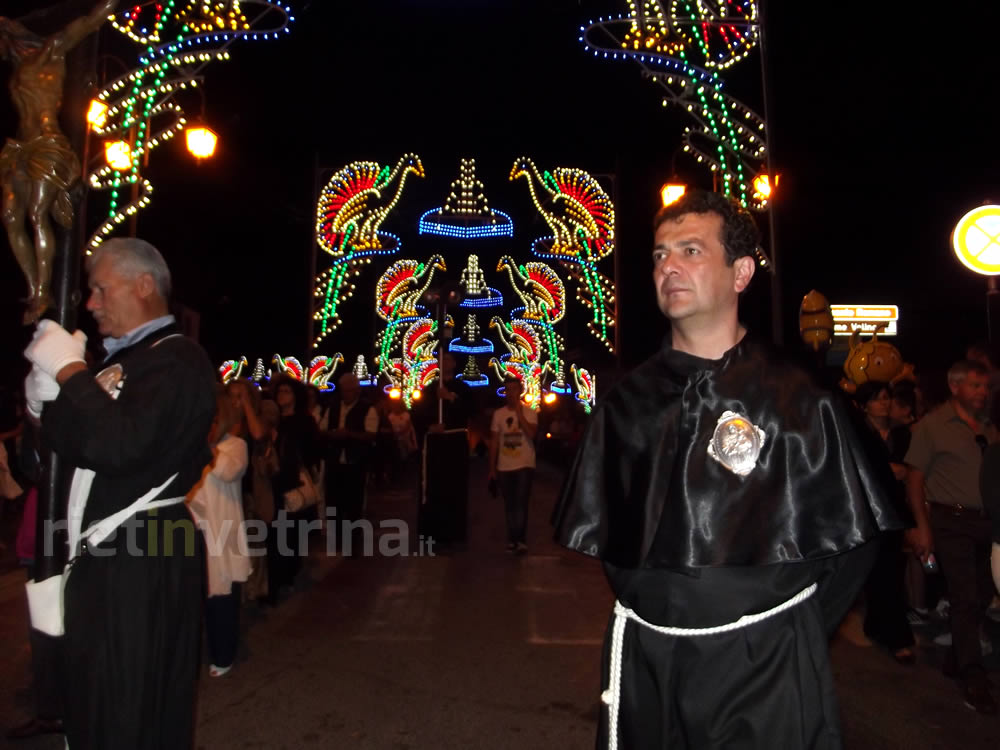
[731, 505]
[136, 431]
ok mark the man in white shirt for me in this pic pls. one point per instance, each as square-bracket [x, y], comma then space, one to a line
[512, 461]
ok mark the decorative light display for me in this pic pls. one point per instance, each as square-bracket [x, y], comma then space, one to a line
[471, 375]
[471, 342]
[543, 295]
[418, 367]
[582, 219]
[259, 374]
[178, 39]
[573, 204]
[321, 369]
[523, 358]
[396, 299]
[586, 387]
[544, 299]
[683, 49]
[466, 213]
[287, 366]
[351, 209]
[231, 369]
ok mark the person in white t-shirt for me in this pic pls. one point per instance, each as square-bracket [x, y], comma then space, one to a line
[512, 460]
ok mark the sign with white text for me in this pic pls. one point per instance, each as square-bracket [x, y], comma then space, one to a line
[867, 319]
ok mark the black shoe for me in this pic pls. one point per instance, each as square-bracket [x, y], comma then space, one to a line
[977, 696]
[36, 727]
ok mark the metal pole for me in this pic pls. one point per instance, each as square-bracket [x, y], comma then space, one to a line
[992, 306]
[777, 326]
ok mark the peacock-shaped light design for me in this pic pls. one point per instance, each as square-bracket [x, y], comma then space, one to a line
[586, 387]
[231, 369]
[683, 46]
[178, 38]
[397, 296]
[349, 216]
[544, 298]
[582, 219]
[418, 367]
[287, 366]
[321, 370]
[523, 357]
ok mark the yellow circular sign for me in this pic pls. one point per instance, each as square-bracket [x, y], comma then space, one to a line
[976, 240]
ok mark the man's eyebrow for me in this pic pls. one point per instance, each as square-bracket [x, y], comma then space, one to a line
[679, 243]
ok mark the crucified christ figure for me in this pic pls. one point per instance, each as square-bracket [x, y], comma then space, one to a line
[38, 167]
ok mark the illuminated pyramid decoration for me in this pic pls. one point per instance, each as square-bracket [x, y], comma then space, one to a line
[466, 213]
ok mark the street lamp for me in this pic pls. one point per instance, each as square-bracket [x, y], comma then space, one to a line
[200, 141]
[762, 187]
[671, 192]
[97, 113]
[118, 154]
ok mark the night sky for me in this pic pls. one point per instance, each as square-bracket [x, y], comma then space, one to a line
[883, 129]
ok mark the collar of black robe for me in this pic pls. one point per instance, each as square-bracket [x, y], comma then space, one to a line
[643, 491]
[145, 342]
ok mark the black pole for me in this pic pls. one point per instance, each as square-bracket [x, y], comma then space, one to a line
[777, 322]
[992, 309]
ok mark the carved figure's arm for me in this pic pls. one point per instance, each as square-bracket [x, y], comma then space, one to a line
[79, 29]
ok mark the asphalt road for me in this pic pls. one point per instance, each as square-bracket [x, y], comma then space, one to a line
[469, 648]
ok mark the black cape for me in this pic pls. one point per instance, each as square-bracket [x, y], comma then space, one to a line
[644, 493]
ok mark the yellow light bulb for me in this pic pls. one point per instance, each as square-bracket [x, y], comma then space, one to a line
[118, 154]
[671, 193]
[97, 113]
[201, 142]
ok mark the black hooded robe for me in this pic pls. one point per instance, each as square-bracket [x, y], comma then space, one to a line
[686, 542]
[133, 616]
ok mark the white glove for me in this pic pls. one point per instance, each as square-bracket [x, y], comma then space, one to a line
[39, 387]
[52, 347]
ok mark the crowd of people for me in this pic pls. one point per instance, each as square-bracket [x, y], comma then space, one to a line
[728, 490]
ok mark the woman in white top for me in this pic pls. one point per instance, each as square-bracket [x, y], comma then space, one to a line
[217, 505]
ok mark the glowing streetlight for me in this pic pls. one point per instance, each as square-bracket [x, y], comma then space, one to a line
[118, 154]
[415, 395]
[549, 398]
[671, 192]
[200, 141]
[97, 113]
[762, 187]
[395, 393]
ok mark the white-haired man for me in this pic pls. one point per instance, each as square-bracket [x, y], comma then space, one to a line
[135, 431]
[942, 487]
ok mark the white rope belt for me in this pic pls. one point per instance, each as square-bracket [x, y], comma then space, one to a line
[612, 696]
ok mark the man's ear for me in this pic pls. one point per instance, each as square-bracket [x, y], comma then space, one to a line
[145, 285]
[745, 267]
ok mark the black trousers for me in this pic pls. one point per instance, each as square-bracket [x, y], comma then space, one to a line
[962, 543]
[345, 493]
[222, 626]
[47, 671]
[885, 617]
[515, 486]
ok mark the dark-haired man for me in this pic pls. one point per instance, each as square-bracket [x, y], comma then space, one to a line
[732, 507]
